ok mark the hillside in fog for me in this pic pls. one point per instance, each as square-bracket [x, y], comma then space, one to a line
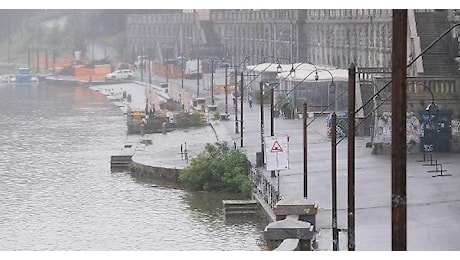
[96, 33]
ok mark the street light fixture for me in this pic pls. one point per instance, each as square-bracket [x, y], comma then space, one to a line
[261, 92]
[272, 101]
[212, 82]
[235, 93]
[305, 125]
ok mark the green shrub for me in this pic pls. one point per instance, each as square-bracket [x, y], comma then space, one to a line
[216, 115]
[219, 167]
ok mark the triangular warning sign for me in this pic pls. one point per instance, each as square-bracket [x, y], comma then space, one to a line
[276, 148]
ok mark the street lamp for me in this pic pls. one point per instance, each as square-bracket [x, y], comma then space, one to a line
[272, 101]
[432, 108]
[261, 92]
[225, 89]
[430, 122]
[278, 69]
[235, 93]
[182, 69]
[150, 70]
[142, 65]
[305, 125]
[212, 82]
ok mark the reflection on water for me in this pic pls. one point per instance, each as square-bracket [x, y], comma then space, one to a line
[57, 191]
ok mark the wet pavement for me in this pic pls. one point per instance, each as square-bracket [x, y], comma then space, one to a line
[433, 202]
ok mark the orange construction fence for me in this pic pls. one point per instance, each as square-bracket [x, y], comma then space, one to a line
[96, 73]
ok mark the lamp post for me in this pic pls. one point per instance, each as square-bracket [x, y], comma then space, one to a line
[241, 109]
[235, 99]
[198, 77]
[235, 96]
[212, 82]
[432, 110]
[351, 157]
[272, 101]
[150, 70]
[305, 158]
[305, 125]
[182, 69]
[142, 65]
[166, 61]
[225, 89]
[335, 231]
[261, 89]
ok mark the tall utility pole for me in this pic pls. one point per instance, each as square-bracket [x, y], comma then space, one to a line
[38, 61]
[212, 82]
[305, 165]
[28, 57]
[182, 66]
[142, 65]
[150, 65]
[272, 119]
[46, 60]
[398, 132]
[198, 77]
[225, 88]
[241, 109]
[335, 232]
[351, 156]
[261, 89]
[167, 67]
[235, 103]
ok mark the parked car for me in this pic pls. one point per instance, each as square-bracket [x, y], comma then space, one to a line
[120, 74]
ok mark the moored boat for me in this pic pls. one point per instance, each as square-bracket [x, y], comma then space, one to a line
[24, 75]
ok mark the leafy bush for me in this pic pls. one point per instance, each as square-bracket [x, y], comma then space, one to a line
[219, 167]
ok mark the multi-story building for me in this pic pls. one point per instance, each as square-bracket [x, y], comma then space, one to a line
[331, 38]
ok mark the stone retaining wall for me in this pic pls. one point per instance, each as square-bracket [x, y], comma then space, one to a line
[142, 171]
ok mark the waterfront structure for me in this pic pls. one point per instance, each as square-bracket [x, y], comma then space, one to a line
[332, 38]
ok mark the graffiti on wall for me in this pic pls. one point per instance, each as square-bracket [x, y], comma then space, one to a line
[413, 129]
[455, 127]
[382, 128]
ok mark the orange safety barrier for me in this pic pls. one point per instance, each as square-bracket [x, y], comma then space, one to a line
[87, 78]
[221, 89]
[173, 73]
[102, 69]
[83, 71]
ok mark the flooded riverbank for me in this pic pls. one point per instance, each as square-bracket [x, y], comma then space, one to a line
[58, 192]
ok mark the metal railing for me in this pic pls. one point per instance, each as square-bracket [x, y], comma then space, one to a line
[263, 189]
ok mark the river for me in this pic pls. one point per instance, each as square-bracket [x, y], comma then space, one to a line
[58, 193]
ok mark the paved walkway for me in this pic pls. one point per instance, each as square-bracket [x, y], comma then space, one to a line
[433, 203]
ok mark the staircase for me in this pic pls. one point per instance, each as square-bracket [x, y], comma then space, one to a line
[209, 34]
[211, 46]
[240, 207]
[439, 60]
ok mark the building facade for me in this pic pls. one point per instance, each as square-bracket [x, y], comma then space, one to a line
[333, 38]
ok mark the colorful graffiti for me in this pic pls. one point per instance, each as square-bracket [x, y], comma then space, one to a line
[455, 127]
[382, 133]
[342, 124]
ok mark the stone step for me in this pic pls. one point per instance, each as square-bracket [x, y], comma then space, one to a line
[240, 207]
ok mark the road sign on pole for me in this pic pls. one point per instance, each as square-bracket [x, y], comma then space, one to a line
[277, 152]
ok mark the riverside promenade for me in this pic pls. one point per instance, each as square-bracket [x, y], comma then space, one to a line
[433, 203]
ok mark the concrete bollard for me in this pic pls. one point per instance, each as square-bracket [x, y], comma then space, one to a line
[163, 128]
[276, 232]
[142, 129]
[306, 209]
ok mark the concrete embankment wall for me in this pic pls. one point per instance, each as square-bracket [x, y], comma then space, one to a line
[147, 171]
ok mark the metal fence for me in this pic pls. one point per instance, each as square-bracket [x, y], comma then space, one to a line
[263, 189]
